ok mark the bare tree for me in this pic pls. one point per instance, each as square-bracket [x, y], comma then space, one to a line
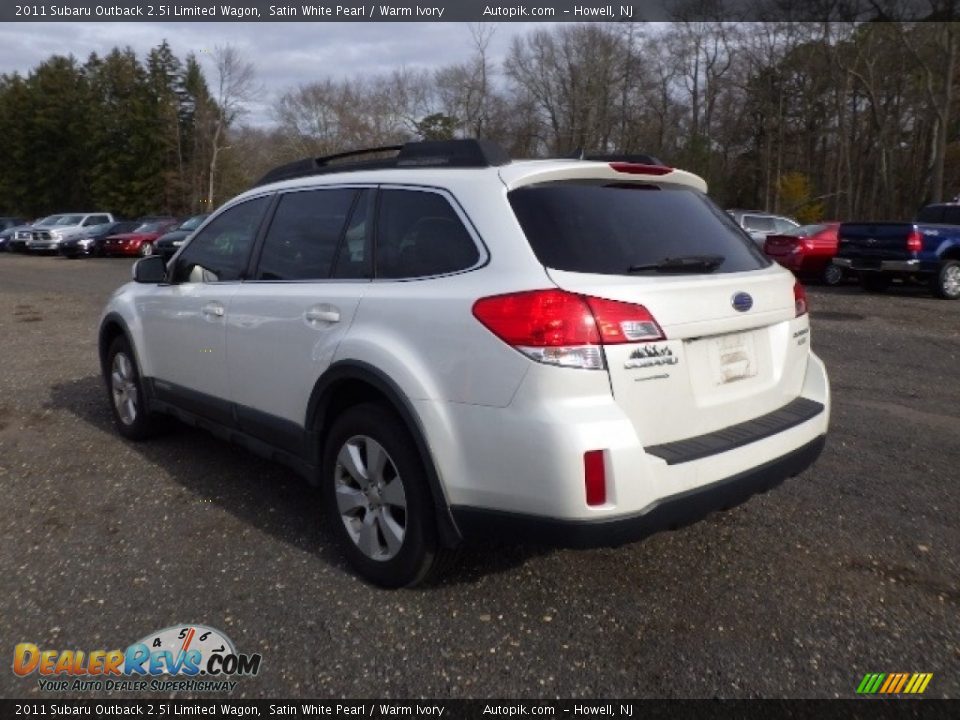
[938, 69]
[465, 90]
[235, 87]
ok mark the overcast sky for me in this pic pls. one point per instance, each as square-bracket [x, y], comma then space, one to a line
[284, 54]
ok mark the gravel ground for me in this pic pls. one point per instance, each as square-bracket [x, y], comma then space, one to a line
[849, 568]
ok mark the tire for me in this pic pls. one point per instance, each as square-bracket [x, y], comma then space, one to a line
[874, 282]
[126, 395]
[387, 528]
[146, 249]
[832, 275]
[946, 283]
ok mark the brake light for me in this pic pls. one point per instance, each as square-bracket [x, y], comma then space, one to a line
[595, 477]
[914, 241]
[640, 168]
[562, 328]
[799, 299]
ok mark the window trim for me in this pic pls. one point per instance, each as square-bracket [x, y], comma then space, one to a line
[482, 251]
[261, 228]
[257, 250]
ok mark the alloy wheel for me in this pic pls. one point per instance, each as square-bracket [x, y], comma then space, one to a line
[371, 499]
[123, 386]
[951, 281]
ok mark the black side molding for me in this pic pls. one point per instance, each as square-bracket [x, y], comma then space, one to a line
[669, 513]
[696, 448]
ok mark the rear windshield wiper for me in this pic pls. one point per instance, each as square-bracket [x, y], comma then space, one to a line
[684, 264]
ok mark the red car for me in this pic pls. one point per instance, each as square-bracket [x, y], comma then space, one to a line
[807, 250]
[138, 242]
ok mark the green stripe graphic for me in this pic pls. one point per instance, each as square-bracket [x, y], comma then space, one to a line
[877, 683]
[864, 682]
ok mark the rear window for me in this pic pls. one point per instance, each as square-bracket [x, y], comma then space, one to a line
[951, 216]
[931, 214]
[805, 230]
[592, 227]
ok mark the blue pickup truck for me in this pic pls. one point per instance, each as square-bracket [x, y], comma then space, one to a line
[927, 249]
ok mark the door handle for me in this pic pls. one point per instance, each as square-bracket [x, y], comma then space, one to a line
[213, 310]
[322, 313]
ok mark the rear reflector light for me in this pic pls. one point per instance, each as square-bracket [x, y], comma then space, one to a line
[621, 322]
[799, 299]
[915, 241]
[640, 168]
[595, 477]
[562, 328]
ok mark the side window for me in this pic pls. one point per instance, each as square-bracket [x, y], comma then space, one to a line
[758, 223]
[303, 236]
[783, 225]
[354, 255]
[220, 252]
[951, 215]
[932, 214]
[419, 234]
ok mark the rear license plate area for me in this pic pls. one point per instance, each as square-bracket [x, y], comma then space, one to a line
[733, 357]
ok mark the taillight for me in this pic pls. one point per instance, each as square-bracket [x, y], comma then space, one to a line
[799, 299]
[914, 241]
[562, 328]
[595, 477]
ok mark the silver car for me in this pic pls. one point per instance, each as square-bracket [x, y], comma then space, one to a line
[760, 224]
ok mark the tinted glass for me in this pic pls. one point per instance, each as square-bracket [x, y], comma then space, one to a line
[419, 234]
[805, 230]
[951, 216]
[304, 234]
[193, 223]
[759, 223]
[353, 256]
[220, 252]
[783, 225]
[152, 227]
[596, 228]
[70, 220]
[931, 214]
[123, 227]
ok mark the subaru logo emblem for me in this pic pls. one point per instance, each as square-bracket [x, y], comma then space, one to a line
[742, 302]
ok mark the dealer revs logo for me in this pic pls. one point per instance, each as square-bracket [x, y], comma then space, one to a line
[186, 651]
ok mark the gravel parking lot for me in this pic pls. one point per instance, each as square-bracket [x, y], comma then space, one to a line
[850, 568]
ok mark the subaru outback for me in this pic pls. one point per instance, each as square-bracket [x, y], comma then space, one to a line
[456, 347]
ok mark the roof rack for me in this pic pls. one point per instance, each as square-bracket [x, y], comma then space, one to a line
[430, 153]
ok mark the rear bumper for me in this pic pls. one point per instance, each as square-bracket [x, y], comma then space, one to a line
[121, 251]
[901, 266]
[668, 513]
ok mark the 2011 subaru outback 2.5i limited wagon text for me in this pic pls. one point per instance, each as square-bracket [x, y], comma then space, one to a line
[458, 346]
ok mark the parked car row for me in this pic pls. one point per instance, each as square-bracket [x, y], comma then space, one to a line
[76, 235]
[925, 251]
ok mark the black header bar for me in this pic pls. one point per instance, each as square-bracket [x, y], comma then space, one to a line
[888, 709]
[477, 11]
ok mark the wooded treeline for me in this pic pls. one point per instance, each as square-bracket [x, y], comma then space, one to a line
[815, 120]
[113, 133]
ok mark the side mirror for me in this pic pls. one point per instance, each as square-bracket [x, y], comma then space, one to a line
[151, 269]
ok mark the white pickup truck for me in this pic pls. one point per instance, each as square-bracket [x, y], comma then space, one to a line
[47, 238]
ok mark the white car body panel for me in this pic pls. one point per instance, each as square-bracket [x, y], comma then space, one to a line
[504, 432]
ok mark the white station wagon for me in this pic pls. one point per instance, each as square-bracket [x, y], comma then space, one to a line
[456, 347]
